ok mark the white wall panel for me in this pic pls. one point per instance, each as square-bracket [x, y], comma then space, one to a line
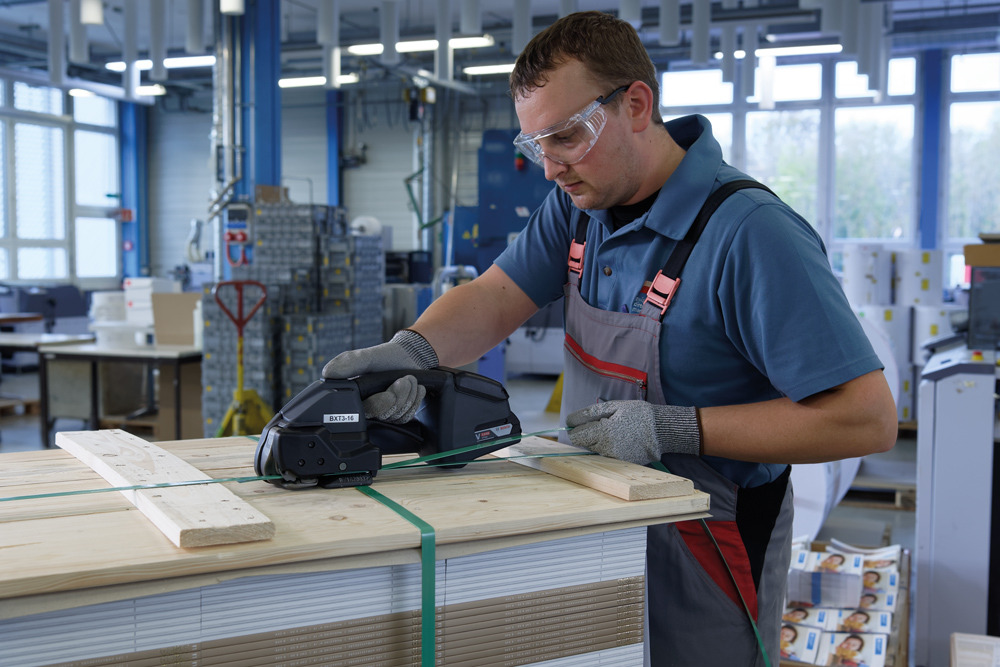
[304, 144]
[179, 182]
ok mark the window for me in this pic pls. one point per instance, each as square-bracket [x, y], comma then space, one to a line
[794, 82]
[94, 110]
[973, 171]
[96, 248]
[874, 172]
[40, 191]
[59, 184]
[697, 87]
[783, 153]
[96, 169]
[902, 79]
[37, 98]
[975, 72]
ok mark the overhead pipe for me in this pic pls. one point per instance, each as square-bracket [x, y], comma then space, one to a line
[158, 39]
[471, 18]
[194, 41]
[57, 43]
[130, 49]
[567, 7]
[630, 11]
[232, 7]
[92, 12]
[670, 22]
[328, 31]
[749, 59]
[390, 32]
[521, 32]
[324, 22]
[849, 26]
[830, 16]
[444, 63]
[727, 44]
[701, 14]
[78, 50]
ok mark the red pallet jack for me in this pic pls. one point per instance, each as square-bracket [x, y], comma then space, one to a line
[248, 414]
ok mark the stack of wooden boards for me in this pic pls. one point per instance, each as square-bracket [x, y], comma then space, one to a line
[532, 569]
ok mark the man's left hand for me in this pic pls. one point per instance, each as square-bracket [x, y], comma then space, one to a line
[636, 431]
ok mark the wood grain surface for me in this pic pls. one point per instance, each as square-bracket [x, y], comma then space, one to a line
[190, 516]
[619, 478]
[81, 542]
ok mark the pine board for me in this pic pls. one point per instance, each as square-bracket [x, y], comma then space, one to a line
[619, 478]
[190, 516]
[90, 541]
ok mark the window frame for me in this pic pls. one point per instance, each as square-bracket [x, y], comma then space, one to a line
[826, 153]
[949, 245]
[10, 117]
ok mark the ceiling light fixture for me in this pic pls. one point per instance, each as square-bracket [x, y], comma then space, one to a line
[155, 89]
[478, 70]
[80, 92]
[812, 50]
[169, 63]
[306, 81]
[422, 45]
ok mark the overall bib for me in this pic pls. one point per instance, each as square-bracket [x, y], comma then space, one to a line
[695, 616]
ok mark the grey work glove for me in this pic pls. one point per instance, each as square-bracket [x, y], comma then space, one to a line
[636, 431]
[406, 350]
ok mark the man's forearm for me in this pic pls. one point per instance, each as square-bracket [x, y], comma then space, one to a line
[855, 419]
[469, 320]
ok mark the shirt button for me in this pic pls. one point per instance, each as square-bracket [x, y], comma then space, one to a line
[607, 270]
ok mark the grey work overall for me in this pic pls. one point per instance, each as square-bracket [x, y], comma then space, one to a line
[695, 616]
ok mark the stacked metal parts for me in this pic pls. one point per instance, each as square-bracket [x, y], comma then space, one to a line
[324, 296]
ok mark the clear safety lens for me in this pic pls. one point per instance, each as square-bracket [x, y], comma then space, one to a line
[566, 142]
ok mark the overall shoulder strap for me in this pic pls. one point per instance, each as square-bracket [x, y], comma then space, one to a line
[578, 244]
[665, 283]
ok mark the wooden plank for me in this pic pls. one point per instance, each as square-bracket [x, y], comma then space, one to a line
[190, 516]
[618, 478]
[93, 543]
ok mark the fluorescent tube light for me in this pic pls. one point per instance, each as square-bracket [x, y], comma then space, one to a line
[304, 81]
[155, 89]
[506, 68]
[422, 45]
[169, 63]
[80, 92]
[810, 50]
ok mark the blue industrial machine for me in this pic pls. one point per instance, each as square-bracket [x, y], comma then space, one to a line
[510, 189]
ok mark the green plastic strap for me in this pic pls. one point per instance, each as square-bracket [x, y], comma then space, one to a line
[428, 575]
[470, 448]
[704, 524]
[139, 487]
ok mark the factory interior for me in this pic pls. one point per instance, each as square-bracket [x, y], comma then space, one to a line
[203, 202]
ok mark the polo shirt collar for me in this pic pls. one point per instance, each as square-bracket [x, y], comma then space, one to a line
[682, 196]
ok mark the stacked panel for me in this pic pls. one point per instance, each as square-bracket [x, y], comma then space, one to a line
[571, 602]
[307, 343]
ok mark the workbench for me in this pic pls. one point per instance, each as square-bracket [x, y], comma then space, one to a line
[62, 555]
[173, 355]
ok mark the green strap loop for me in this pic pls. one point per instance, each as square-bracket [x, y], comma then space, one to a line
[470, 448]
[704, 525]
[428, 574]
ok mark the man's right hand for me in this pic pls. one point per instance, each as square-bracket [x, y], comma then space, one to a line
[406, 350]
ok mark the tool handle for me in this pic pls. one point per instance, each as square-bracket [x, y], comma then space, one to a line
[372, 383]
[238, 285]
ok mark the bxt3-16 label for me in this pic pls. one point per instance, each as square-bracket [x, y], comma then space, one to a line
[495, 432]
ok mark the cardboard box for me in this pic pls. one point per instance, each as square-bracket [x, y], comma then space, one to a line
[191, 427]
[173, 317]
[982, 254]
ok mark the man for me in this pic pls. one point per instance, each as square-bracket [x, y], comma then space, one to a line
[751, 362]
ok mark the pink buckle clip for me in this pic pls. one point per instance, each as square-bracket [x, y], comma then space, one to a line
[576, 262]
[662, 290]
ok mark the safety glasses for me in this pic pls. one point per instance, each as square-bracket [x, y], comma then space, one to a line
[568, 141]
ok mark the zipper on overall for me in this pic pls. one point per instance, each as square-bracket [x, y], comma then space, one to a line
[614, 371]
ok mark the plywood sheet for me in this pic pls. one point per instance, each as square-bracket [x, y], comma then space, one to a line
[98, 540]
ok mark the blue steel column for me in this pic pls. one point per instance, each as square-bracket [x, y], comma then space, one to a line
[133, 153]
[260, 49]
[930, 164]
[334, 141]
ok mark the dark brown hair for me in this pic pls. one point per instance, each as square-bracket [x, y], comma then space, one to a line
[608, 47]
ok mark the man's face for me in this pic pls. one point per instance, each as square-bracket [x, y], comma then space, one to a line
[607, 175]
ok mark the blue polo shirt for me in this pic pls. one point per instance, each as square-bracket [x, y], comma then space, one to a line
[758, 314]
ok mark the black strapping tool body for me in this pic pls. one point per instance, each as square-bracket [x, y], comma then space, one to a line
[322, 438]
